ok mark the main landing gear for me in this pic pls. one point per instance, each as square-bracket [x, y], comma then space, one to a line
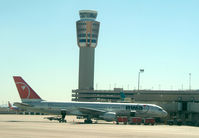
[88, 121]
[63, 115]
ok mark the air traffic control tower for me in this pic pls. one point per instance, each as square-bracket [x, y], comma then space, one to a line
[87, 36]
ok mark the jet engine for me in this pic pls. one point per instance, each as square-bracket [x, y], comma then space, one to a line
[108, 116]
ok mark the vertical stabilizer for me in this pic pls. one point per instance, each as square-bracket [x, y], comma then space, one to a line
[9, 105]
[27, 94]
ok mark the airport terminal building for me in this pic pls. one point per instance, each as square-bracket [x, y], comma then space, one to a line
[180, 104]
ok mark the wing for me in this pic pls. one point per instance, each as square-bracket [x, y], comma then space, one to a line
[91, 111]
[22, 105]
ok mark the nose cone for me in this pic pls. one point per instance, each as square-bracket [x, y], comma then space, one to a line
[164, 113]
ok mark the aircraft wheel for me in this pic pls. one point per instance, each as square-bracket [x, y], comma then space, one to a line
[85, 121]
[88, 121]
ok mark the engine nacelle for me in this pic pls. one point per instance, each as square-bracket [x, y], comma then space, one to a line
[108, 116]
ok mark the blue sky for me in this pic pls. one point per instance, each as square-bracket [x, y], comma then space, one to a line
[38, 42]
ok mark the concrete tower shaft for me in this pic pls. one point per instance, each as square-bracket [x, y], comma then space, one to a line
[87, 37]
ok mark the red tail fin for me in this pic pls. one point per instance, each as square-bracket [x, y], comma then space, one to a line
[26, 93]
[9, 105]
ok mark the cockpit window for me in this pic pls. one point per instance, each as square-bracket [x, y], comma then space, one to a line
[159, 109]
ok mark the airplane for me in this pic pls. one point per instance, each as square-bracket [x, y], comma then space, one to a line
[31, 101]
[15, 108]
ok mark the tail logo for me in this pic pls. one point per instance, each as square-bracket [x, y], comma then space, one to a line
[23, 87]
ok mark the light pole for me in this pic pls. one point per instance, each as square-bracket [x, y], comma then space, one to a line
[140, 71]
[190, 81]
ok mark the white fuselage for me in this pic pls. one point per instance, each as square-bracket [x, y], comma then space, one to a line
[93, 109]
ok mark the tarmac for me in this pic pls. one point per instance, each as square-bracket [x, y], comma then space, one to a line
[34, 126]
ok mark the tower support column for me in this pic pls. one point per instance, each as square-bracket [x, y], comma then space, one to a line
[86, 68]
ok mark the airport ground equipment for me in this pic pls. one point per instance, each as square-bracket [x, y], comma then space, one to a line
[175, 121]
[135, 120]
[56, 118]
[149, 121]
[122, 119]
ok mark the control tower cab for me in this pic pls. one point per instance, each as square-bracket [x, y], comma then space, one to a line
[87, 29]
[87, 37]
